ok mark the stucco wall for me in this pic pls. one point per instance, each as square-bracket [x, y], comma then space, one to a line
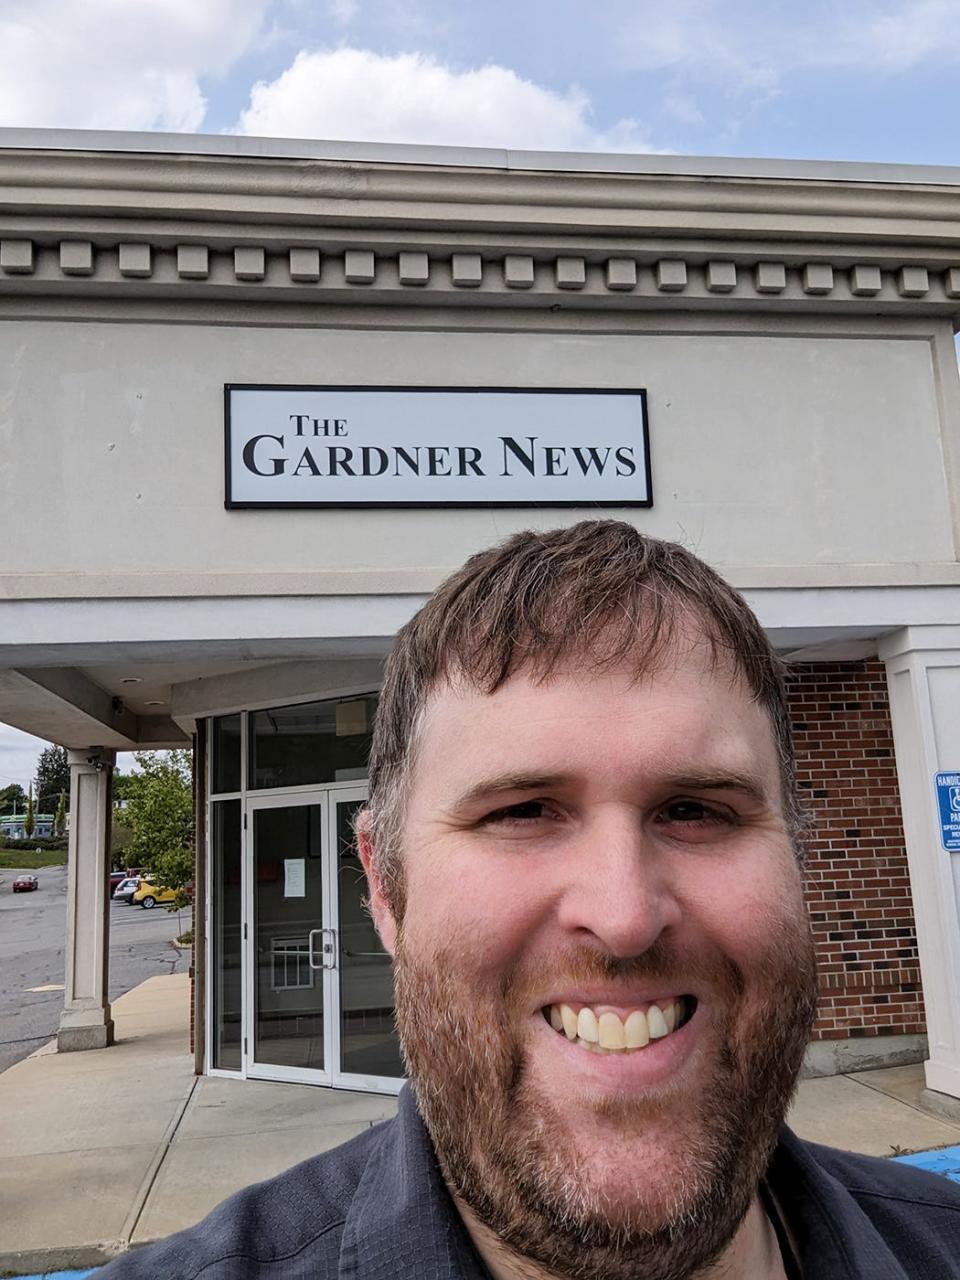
[766, 450]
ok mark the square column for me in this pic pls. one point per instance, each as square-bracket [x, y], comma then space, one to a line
[85, 1022]
[923, 674]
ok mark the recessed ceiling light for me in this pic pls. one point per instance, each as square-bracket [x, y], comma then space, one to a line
[132, 680]
[154, 702]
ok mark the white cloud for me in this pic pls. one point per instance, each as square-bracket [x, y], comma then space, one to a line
[19, 752]
[358, 95]
[899, 37]
[747, 47]
[683, 108]
[706, 39]
[18, 756]
[117, 64]
[343, 12]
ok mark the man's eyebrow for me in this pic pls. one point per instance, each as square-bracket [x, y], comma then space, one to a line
[713, 780]
[720, 780]
[489, 788]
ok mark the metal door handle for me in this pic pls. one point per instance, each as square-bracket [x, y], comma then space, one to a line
[328, 949]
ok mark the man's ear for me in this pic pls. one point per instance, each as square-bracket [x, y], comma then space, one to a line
[380, 909]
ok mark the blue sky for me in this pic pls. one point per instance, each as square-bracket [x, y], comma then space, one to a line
[869, 80]
[847, 79]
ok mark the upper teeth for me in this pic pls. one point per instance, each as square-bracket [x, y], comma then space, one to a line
[606, 1032]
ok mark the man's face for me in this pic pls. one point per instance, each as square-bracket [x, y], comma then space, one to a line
[601, 857]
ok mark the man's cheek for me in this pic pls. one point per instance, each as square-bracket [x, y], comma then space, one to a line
[747, 913]
[468, 904]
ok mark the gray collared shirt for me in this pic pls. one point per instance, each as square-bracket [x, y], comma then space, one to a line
[377, 1209]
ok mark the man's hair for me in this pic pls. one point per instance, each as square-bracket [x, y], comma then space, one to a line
[599, 591]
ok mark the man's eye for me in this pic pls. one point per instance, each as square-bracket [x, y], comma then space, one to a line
[527, 811]
[693, 812]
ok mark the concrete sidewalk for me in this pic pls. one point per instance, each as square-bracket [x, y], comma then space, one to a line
[108, 1149]
[114, 1147]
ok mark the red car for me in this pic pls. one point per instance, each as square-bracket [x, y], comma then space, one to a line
[25, 883]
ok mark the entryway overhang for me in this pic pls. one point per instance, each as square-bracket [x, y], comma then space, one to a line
[221, 654]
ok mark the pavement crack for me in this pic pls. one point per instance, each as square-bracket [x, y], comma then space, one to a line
[150, 1177]
[906, 1102]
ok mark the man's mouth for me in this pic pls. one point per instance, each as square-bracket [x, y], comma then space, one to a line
[602, 1030]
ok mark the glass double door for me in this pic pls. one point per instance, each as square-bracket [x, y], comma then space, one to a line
[319, 984]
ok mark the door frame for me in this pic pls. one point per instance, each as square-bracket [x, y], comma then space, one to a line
[346, 791]
[299, 797]
[330, 1076]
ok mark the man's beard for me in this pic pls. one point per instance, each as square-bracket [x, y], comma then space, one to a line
[508, 1152]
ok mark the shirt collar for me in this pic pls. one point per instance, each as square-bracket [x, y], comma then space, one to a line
[402, 1224]
[834, 1237]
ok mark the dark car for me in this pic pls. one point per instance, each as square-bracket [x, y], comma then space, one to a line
[25, 883]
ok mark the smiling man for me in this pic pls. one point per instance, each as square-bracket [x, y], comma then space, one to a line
[583, 851]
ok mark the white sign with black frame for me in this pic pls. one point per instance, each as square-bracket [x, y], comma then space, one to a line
[311, 446]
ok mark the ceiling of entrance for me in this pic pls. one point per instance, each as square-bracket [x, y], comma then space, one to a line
[145, 687]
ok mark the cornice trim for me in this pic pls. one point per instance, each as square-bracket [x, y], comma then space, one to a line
[238, 146]
[763, 581]
[637, 280]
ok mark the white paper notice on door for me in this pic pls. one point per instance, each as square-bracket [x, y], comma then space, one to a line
[294, 877]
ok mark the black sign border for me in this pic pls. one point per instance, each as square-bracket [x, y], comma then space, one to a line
[231, 505]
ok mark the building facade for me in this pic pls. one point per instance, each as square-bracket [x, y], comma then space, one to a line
[280, 389]
[14, 826]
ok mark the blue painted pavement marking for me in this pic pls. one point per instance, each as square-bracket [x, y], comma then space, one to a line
[59, 1275]
[946, 1161]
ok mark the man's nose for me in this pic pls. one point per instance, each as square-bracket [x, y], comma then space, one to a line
[619, 886]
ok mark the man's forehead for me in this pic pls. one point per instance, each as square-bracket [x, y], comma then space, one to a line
[695, 712]
[685, 647]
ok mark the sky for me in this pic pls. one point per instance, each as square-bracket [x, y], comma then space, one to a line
[827, 79]
[868, 80]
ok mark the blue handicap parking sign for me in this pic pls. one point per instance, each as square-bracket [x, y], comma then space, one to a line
[948, 801]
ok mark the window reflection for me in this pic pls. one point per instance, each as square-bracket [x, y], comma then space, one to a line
[226, 754]
[227, 934]
[368, 1038]
[311, 742]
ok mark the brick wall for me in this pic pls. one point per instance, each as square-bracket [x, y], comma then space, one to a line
[858, 887]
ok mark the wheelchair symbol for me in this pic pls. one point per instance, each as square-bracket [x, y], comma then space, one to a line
[955, 799]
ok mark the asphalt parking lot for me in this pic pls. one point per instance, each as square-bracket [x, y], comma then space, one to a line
[32, 938]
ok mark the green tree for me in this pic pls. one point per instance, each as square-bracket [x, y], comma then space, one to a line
[28, 822]
[120, 786]
[120, 833]
[60, 817]
[13, 799]
[159, 813]
[53, 776]
[120, 840]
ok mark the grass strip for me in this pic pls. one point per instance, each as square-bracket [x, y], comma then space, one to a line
[30, 859]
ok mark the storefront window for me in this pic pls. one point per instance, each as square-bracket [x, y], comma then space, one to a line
[310, 743]
[226, 754]
[227, 985]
